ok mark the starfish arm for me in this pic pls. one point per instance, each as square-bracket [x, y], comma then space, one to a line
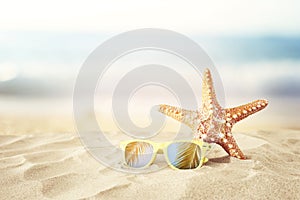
[229, 144]
[185, 116]
[209, 98]
[241, 112]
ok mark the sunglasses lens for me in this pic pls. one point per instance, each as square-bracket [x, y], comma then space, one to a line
[138, 154]
[184, 155]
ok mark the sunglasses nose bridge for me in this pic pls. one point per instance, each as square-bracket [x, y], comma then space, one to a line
[160, 148]
[160, 151]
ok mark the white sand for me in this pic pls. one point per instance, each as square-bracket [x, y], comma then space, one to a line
[57, 166]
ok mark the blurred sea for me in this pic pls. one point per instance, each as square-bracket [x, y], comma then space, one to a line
[44, 63]
[38, 69]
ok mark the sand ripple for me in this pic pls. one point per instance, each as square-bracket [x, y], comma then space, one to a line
[57, 166]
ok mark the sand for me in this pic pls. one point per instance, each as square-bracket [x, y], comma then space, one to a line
[57, 166]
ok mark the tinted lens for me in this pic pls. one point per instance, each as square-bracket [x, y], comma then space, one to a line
[138, 154]
[184, 155]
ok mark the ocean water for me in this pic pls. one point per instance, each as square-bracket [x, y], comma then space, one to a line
[38, 71]
[45, 63]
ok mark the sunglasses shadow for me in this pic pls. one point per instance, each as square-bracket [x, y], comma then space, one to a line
[223, 159]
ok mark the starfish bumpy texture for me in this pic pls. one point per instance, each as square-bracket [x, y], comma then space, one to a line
[212, 123]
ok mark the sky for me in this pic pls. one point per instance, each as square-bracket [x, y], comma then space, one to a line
[231, 17]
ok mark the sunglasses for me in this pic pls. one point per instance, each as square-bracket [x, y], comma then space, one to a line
[189, 154]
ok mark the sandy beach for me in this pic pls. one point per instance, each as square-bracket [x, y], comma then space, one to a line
[41, 157]
[57, 166]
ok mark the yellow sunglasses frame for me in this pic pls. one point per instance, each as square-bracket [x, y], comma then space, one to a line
[161, 148]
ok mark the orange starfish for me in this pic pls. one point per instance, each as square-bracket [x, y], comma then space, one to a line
[213, 123]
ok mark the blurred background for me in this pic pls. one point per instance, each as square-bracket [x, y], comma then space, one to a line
[255, 46]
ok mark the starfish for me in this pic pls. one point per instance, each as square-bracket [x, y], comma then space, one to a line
[212, 123]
